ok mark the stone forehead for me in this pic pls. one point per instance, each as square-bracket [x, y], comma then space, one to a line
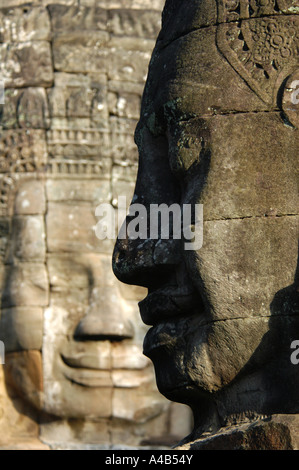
[205, 44]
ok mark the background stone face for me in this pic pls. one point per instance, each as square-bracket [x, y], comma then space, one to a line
[73, 76]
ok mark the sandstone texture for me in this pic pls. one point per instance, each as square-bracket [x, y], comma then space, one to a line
[218, 130]
[74, 372]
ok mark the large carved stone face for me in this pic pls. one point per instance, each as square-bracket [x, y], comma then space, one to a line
[72, 332]
[210, 133]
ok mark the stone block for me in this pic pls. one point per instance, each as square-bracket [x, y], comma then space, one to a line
[16, 418]
[73, 434]
[22, 151]
[122, 188]
[250, 182]
[62, 400]
[277, 432]
[23, 372]
[132, 44]
[24, 24]
[81, 53]
[132, 22]
[66, 18]
[139, 406]
[138, 4]
[4, 236]
[126, 357]
[127, 65]
[30, 198]
[120, 86]
[124, 105]
[27, 242]
[123, 147]
[76, 139]
[238, 280]
[26, 108]
[76, 95]
[26, 64]
[25, 285]
[75, 231]
[212, 88]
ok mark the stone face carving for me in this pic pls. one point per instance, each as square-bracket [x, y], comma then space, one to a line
[218, 127]
[73, 337]
[259, 50]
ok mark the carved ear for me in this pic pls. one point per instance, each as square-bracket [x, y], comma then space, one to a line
[290, 99]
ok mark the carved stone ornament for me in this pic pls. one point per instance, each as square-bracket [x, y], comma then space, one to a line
[262, 50]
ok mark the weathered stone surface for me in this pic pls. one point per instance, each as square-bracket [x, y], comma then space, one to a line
[129, 355]
[78, 96]
[28, 239]
[124, 105]
[93, 190]
[27, 108]
[22, 151]
[61, 434]
[67, 145]
[26, 64]
[24, 24]
[74, 142]
[77, 18]
[21, 328]
[249, 280]
[138, 23]
[21, 430]
[23, 372]
[4, 232]
[128, 65]
[76, 230]
[30, 198]
[255, 187]
[137, 407]
[26, 284]
[290, 99]
[280, 432]
[142, 4]
[81, 54]
[223, 310]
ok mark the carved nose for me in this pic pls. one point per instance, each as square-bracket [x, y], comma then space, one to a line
[105, 318]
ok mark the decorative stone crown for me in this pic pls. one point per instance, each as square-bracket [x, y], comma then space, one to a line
[260, 40]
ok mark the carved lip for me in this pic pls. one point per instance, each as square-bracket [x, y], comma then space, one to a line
[94, 368]
[80, 370]
[83, 361]
[88, 377]
[167, 334]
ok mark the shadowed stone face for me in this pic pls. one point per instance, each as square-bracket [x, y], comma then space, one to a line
[215, 130]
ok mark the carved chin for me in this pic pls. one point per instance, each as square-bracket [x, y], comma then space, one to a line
[204, 360]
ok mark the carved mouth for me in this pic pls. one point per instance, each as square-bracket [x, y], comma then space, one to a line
[102, 367]
[167, 334]
[167, 303]
[173, 312]
[80, 369]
